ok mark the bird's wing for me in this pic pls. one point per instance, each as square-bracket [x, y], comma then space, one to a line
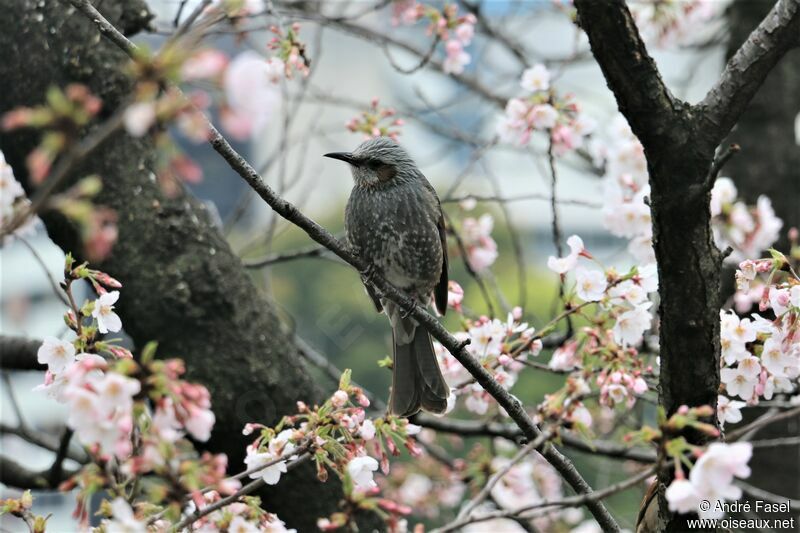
[440, 292]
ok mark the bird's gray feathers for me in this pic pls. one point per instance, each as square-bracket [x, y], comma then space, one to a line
[417, 381]
[394, 221]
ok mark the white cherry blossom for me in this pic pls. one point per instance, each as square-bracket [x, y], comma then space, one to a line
[361, 469]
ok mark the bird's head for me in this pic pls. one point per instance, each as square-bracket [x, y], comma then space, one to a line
[379, 162]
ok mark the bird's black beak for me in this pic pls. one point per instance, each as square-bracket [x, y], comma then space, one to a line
[347, 157]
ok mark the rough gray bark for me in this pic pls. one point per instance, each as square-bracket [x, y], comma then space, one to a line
[679, 142]
[768, 164]
[183, 286]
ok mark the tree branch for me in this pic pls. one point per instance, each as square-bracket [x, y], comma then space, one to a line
[470, 428]
[630, 72]
[748, 68]
[15, 475]
[19, 353]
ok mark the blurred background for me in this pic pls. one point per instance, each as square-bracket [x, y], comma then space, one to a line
[448, 130]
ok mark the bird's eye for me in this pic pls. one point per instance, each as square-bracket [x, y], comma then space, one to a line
[373, 164]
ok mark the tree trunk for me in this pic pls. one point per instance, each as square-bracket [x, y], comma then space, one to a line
[183, 286]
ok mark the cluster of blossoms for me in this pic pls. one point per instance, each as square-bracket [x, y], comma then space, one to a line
[623, 298]
[437, 490]
[626, 186]
[605, 353]
[761, 356]
[747, 230]
[97, 224]
[710, 480]
[336, 436]
[431, 488]
[711, 477]
[544, 110]
[248, 83]
[132, 416]
[476, 236]
[501, 347]
[454, 30]
[290, 52]
[60, 119]
[672, 22]
[376, 122]
[13, 203]
[529, 482]
[247, 86]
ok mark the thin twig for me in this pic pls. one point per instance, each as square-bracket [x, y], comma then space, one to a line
[760, 422]
[574, 501]
[719, 162]
[520, 198]
[233, 498]
[767, 496]
[282, 257]
[422, 62]
[53, 284]
[498, 476]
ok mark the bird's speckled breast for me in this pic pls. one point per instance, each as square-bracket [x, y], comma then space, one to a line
[395, 229]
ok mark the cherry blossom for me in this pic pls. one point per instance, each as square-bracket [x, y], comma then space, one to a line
[729, 410]
[456, 58]
[270, 474]
[669, 24]
[103, 312]
[56, 354]
[711, 479]
[563, 265]
[632, 324]
[208, 63]
[555, 114]
[682, 496]
[590, 284]
[249, 93]
[279, 446]
[360, 470]
[536, 78]
[748, 230]
[455, 295]
[738, 382]
[481, 247]
[123, 520]
[13, 202]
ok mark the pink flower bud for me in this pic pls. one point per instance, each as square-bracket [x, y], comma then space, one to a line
[339, 398]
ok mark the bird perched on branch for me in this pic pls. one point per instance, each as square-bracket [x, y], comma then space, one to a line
[394, 222]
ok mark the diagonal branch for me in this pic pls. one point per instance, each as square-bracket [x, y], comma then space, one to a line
[290, 212]
[630, 72]
[748, 68]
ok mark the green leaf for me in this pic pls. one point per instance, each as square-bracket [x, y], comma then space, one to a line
[149, 352]
[344, 381]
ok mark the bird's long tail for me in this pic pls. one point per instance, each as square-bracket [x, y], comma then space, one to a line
[417, 380]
